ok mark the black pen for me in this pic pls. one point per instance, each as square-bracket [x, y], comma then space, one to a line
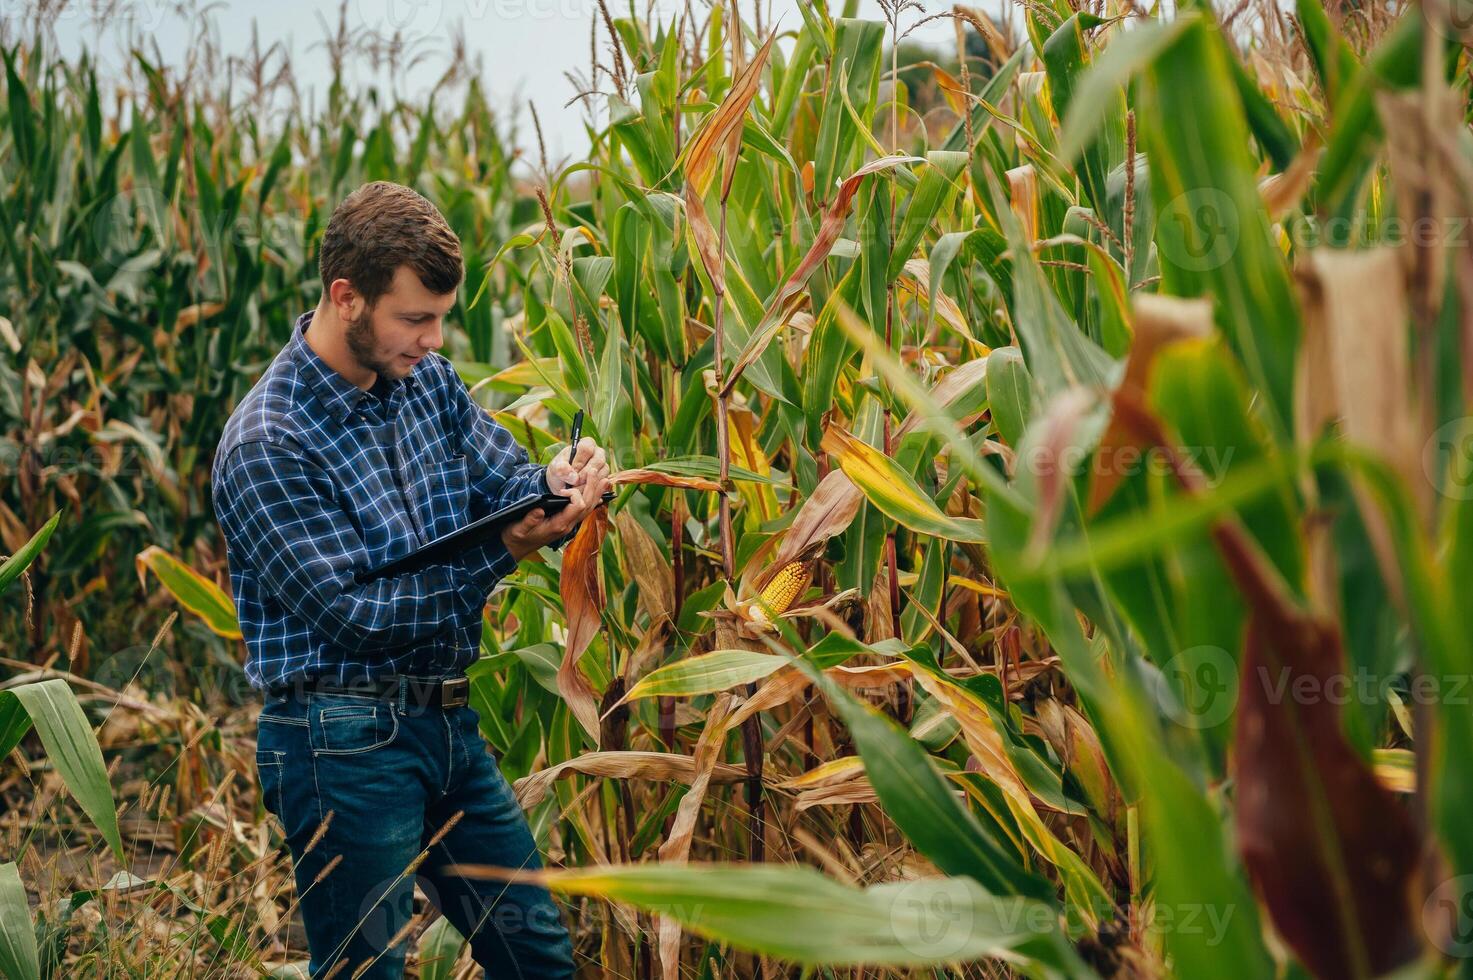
[573, 446]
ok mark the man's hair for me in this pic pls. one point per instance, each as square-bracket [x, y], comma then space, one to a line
[382, 226]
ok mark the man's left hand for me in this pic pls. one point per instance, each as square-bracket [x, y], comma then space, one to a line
[587, 471]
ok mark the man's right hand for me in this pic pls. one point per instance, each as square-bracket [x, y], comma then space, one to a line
[539, 528]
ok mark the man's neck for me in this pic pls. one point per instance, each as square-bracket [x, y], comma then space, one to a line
[326, 336]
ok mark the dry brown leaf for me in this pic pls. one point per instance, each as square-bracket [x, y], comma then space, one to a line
[676, 849]
[1356, 318]
[957, 382]
[880, 625]
[1078, 747]
[857, 790]
[582, 590]
[782, 686]
[829, 773]
[648, 566]
[785, 302]
[532, 789]
[664, 480]
[1023, 197]
[701, 152]
[997, 42]
[194, 313]
[1424, 164]
[1061, 420]
[829, 510]
[916, 281]
[786, 683]
[979, 733]
[1158, 322]
[1284, 190]
[701, 158]
[1331, 853]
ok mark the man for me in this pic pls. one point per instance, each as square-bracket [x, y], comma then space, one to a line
[357, 445]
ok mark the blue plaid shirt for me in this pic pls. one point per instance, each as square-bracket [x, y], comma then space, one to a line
[315, 479]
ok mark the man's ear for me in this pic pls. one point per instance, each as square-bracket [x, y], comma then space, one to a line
[345, 299]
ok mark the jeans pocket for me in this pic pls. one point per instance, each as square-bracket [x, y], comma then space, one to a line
[269, 764]
[351, 725]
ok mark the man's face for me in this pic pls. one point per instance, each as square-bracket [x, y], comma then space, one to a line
[402, 326]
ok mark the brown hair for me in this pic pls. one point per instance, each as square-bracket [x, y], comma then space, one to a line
[382, 226]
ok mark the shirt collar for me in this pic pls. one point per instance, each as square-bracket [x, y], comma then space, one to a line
[337, 394]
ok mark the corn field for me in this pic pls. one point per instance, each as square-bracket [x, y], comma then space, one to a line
[1043, 468]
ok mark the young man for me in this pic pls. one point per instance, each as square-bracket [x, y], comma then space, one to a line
[357, 445]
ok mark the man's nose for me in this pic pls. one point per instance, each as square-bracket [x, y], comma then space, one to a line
[435, 339]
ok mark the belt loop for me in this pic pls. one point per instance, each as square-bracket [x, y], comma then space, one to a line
[403, 692]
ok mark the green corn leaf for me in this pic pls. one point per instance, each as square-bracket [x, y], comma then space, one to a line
[18, 956]
[17, 563]
[70, 745]
[796, 914]
[719, 670]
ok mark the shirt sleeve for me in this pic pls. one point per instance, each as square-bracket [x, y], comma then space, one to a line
[279, 514]
[501, 473]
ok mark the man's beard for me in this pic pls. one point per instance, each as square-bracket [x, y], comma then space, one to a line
[361, 345]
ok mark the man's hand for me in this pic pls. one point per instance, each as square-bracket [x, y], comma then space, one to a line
[588, 466]
[583, 480]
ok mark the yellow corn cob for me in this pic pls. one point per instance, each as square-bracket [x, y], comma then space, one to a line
[787, 585]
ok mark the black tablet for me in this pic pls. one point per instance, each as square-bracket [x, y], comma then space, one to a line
[445, 549]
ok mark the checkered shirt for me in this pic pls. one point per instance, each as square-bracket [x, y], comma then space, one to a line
[316, 479]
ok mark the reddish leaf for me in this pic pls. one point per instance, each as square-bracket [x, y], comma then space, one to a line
[701, 152]
[1331, 852]
[583, 601]
[665, 480]
[700, 155]
[785, 302]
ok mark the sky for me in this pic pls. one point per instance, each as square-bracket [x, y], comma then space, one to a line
[525, 46]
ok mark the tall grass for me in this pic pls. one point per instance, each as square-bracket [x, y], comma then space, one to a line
[1042, 473]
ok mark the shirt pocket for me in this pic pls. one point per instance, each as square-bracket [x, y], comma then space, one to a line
[444, 497]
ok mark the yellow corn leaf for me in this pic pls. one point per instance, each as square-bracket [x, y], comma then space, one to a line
[195, 592]
[893, 492]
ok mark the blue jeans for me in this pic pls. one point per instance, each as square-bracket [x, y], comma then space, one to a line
[386, 777]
